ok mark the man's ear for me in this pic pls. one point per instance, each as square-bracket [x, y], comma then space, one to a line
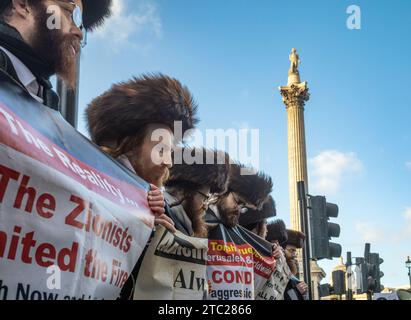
[21, 8]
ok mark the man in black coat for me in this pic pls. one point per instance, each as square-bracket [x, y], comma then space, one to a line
[245, 192]
[296, 289]
[40, 38]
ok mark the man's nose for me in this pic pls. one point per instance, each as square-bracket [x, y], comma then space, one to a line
[168, 161]
[78, 33]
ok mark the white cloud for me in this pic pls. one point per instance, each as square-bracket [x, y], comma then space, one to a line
[145, 22]
[404, 234]
[408, 164]
[328, 168]
[369, 232]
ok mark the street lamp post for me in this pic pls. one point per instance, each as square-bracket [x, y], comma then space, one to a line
[408, 266]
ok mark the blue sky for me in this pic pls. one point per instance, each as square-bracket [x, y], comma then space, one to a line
[233, 55]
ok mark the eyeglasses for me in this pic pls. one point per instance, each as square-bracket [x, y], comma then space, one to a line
[292, 251]
[241, 204]
[208, 198]
[77, 18]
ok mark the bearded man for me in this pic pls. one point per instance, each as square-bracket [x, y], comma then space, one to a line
[41, 38]
[296, 289]
[135, 122]
[192, 187]
[244, 192]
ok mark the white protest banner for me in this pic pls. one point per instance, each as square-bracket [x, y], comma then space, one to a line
[264, 262]
[73, 222]
[239, 263]
[230, 271]
[275, 286]
[173, 268]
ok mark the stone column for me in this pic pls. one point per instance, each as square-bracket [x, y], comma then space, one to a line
[295, 94]
[317, 274]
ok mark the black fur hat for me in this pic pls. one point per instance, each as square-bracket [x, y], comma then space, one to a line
[295, 238]
[210, 168]
[94, 11]
[252, 217]
[252, 188]
[127, 106]
[277, 231]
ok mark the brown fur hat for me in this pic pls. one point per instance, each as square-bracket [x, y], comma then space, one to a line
[252, 217]
[210, 168]
[127, 106]
[94, 11]
[252, 188]
[277, 231]
[295, 238]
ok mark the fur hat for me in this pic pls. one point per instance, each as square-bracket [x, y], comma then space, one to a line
[277, 231]
[295, 238]
[252, 188]
[94, 11]
[252, 217]
[208, 171]
[127, 106]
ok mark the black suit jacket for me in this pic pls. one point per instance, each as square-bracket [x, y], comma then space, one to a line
[50, 98]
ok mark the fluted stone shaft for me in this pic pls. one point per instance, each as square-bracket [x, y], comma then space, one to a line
[294, 97]
[297, 160]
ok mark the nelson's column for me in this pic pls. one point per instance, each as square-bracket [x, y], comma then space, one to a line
[295, 95]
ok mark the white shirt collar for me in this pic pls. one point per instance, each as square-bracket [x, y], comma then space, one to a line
[24, 74]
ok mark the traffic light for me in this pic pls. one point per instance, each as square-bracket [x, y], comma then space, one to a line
[374, 273]
[322, 230]
[377, 274]
[339, 282]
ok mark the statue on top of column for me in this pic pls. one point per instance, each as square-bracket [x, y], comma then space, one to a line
[295, 61]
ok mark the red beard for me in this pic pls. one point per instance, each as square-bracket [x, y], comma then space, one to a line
[56, 48]
[156, 175]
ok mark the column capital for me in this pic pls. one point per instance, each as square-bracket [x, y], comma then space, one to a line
[295, 95]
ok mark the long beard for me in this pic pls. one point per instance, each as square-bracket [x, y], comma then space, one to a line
[230, 219]
[197, 219]
[156, 176]
[292, 264]
[56, 48]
